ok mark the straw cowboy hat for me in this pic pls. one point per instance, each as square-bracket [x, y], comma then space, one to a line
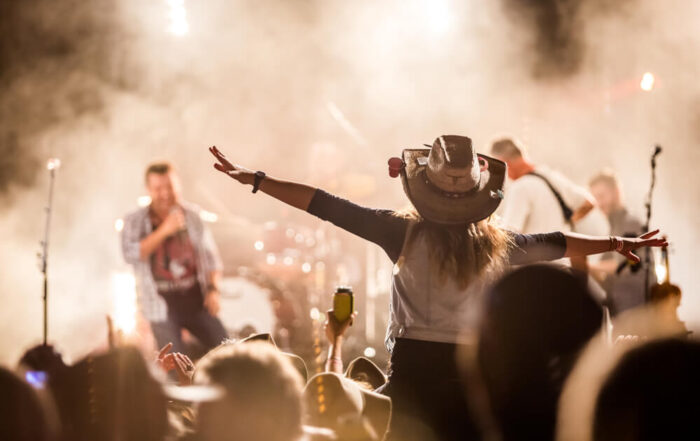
[338, 403]
[449, 183]
[364, 370]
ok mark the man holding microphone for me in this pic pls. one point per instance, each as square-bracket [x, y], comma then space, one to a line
[176, 263]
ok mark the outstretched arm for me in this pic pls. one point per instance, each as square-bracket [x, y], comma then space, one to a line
[382, 227]
[296, 195]
[582, 245]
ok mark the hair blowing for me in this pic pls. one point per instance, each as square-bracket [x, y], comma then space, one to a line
[463, 252]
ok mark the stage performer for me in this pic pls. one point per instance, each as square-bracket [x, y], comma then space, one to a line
[623, 282]
[446, 251]
[176, 263]
[542, 199]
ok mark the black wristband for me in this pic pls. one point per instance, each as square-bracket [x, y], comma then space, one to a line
[259, 176]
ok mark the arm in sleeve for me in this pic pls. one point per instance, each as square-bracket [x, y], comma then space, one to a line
[131, 238]
[381, 227]
[211, 256]
[531, 248]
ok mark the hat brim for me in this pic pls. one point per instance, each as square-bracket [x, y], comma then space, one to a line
[364, 369]
[450, 209]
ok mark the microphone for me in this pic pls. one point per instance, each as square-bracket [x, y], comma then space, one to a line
[182, 231]
[657, 150]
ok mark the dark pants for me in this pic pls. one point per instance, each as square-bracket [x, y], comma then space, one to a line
[208, 329]
[428, 394]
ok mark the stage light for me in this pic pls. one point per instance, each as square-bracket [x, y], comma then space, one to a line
[53, 164]
[259, 245]
[306, 267]
[660, 270]
[290, 233]
[370, 352]
[124, 299]
[208, 216]
[271, 259]
[177, 15]
[437, 16]
[119, 225]
[647, 82]
[299, 238]
[288, 260]
[315, 314]
[143, 201]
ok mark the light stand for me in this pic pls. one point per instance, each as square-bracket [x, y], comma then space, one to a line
[52, 165]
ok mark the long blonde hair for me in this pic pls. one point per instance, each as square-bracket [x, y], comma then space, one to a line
[462, 253]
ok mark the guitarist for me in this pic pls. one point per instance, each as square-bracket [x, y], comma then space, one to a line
[541, 199]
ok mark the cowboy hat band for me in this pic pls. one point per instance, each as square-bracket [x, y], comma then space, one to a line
[451, 184]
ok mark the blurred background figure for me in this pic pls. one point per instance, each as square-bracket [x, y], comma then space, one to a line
[23, 415]
[110, 397]
[538, 199]
[652, 394]
[623, 283]
[176, 263]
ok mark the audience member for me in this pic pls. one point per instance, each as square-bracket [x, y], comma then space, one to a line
[23, 414]
[263, 395]
[652, 394]
[536, 320]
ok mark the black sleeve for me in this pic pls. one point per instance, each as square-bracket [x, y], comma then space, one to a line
[530, 248]
[381, 227]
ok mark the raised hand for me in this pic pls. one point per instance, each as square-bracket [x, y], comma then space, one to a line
[241, 174]
[173, 222]
[645, 240]
[180, 362]
[334, 328]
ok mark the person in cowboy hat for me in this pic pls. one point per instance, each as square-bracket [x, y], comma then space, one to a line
[446, 251]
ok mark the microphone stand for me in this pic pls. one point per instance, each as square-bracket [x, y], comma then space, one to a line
[52, 165]
[647, 251]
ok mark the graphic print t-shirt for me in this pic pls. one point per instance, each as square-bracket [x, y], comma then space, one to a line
[174, 269]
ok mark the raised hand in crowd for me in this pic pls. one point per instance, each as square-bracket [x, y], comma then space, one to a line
[180, 363]
[335, 332]
[241, 174]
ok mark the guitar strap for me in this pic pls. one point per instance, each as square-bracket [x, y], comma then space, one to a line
[566, 211]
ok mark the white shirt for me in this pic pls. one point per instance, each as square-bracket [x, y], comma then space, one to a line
[531, 207]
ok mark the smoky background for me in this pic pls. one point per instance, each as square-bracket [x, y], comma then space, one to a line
[324, 92]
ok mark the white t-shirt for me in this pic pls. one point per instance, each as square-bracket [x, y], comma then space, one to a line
[531, 207]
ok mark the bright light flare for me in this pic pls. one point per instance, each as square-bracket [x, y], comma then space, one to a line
[437, 16]
[119, 225]
[259, 245]
[370, 352]
[177, 18]
[647, 82]
[660, 270]
[271, 259]
[124, 299]
[208, 216]
[306, 267]
[143, 201]
[315, 314]
[53, 164]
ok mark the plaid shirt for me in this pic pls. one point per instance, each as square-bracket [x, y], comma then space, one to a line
[137, 225]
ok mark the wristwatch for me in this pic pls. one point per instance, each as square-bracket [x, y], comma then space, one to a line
[259, 176]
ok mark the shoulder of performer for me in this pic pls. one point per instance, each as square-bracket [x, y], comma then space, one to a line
[138, 213]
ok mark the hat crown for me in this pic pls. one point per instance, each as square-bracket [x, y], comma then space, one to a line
[453, 165]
